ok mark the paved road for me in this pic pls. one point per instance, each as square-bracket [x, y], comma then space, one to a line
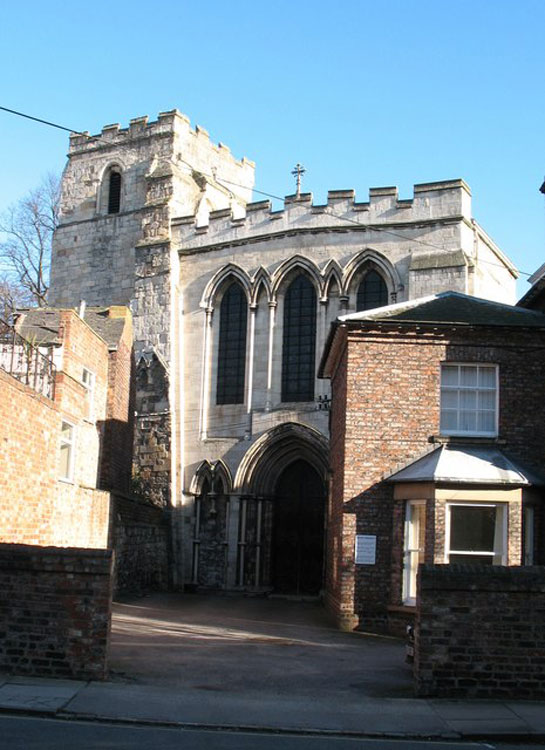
[23, 733]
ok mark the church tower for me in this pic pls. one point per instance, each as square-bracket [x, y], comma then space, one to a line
[120, 190]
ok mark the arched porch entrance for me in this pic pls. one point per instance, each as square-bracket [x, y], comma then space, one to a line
[282, 484]
[298, 531]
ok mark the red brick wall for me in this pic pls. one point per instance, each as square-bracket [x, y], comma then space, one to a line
[29, 429]
[390, 381]
[55, 611]
[117, 451]
[35, 507]
[480, 632]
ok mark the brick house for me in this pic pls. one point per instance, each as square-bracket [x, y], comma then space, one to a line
[66, 432]
[437, 438]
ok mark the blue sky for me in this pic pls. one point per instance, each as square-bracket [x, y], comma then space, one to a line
[364, 94]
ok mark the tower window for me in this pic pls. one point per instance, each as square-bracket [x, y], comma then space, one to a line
[114, 193]
[299, 341]
[232, 346]
[372, 292]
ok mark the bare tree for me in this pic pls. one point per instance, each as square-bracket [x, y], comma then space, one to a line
[26, 232]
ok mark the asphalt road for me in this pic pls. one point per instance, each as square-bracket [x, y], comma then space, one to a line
[24, 733]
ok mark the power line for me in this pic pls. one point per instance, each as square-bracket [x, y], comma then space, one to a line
[38, 119]
[329, 211]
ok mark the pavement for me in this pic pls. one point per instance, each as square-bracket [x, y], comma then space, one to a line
[261, 664]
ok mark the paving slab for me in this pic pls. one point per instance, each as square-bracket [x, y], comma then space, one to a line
[214, 708]
[490, 727]
[532, 712]
[36, 694]
[478, 710]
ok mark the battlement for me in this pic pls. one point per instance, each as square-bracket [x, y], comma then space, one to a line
[171, 123]
[434, 201]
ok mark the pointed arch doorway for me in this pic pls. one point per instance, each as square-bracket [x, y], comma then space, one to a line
[297, 553]
[282, 483]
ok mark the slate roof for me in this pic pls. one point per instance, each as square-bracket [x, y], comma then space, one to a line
[452, 308]
[467, 464]
[41, 325]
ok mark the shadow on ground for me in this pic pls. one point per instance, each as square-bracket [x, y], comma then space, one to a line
[243, 645]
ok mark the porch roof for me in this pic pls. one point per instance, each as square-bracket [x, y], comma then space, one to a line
[467, 464]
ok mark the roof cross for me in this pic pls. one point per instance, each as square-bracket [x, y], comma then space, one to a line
[298, 171]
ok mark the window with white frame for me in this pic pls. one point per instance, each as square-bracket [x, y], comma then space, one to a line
[469, 399]
[67, 449]
[413, 553]
[88, 381]
[476, 533]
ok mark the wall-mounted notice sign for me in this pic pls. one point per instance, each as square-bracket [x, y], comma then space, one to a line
[366, 549]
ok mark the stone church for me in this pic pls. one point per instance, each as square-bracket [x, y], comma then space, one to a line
[232, 304]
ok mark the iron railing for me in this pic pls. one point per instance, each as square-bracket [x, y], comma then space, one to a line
[25, 362]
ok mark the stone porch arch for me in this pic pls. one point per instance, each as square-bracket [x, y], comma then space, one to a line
[274, 451]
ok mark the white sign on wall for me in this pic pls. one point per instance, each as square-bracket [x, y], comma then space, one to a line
[366, 549]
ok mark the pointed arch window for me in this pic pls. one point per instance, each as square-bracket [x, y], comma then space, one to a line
[372, 292]
[114, 192]
[299, 341]
[232, 346]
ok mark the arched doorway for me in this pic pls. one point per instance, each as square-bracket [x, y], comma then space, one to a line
[298, 530]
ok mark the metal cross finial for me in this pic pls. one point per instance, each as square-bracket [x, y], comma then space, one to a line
[298, 172]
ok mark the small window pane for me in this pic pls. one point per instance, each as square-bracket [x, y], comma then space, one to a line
[485, 421]
[467, 421]
[472, 529]
[449, 375]
[487, 400]
[468, 376]
[471, 559]
[468, 400]
[449, 420]
[487, 377]
[449, 399]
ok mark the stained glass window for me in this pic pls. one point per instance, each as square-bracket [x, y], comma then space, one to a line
[232, 346]
[372, 292]
[299, 341]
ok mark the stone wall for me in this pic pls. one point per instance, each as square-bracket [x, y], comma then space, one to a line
[141, 544]
[55, 611]
[480, 632]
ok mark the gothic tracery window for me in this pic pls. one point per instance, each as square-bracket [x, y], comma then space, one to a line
[299, 341]
[372, 292]
[232, 346]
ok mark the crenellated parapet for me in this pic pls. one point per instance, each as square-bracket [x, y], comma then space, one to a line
[431, 202]
[169, 123]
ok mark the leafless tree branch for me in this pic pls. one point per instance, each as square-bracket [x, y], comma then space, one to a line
[26, 232]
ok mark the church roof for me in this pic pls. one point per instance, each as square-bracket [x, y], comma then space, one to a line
[40, 325]
[452, 308]
[466, 464]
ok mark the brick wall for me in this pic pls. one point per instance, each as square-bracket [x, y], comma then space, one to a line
[389, 380]
[36, 508]
[480, 632]
[55, 611]
[118, 429]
